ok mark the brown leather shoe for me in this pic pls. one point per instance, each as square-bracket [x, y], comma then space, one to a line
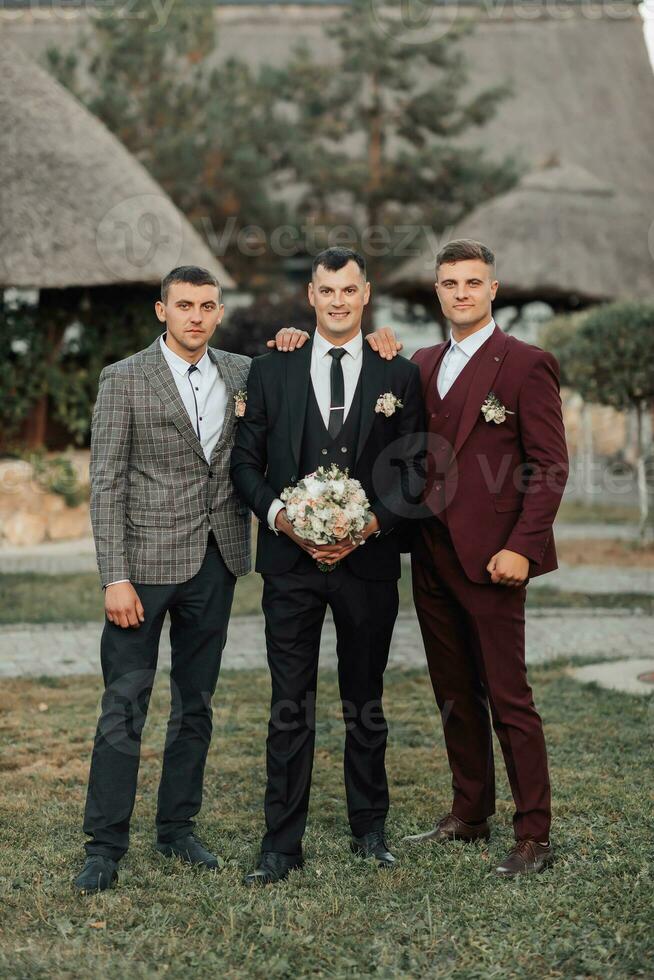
[526, 857]
[451, 828]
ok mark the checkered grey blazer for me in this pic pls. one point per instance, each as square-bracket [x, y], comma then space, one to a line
[154, 497]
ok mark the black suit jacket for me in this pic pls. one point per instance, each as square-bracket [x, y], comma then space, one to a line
[266, 454]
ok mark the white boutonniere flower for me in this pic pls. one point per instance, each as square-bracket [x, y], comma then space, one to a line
[388, 403]
[493, 410]
[240, 400]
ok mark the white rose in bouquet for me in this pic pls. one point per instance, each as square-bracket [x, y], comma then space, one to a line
[326, 507]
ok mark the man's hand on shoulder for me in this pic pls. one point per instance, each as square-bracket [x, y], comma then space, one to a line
[385, 343]
[382, 341]
[508, 568]
[288, 338]
[123, 606]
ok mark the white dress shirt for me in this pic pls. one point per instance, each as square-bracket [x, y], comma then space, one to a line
[207, 388]
[204, 387]
[458, 355]
[321, 365]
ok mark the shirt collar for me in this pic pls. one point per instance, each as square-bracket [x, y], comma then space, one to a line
[177, 363]
[353, 347]
[470, 345]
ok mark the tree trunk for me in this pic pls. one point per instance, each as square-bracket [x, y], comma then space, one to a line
[641, 474]
[586, 452]
[36, 423]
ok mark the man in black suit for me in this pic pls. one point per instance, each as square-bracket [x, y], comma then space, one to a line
[310, 409]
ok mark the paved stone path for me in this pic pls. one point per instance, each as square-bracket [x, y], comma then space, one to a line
[597, 579]
[57, 650]
[621, 675]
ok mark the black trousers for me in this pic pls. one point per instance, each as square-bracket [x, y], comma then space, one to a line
[364, 613]
[199, 612]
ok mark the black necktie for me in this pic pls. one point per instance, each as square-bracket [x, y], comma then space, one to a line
[337, 390]
[195, 401]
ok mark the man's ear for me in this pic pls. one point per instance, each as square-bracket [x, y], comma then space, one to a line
[366, 294]
[160, 310]
[310, 294]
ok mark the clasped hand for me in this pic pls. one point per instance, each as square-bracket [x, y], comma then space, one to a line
[329, 554]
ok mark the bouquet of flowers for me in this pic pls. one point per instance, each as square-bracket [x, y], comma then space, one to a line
[326, 507]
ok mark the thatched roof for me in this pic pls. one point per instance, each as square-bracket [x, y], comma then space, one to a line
[76, 208]
[560, 234]
[582, 86]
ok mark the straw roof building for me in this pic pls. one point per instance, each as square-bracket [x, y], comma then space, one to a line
[561, 236]
[76, 208]
[582, 89]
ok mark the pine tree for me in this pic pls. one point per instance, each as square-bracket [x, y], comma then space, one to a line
[373, 137]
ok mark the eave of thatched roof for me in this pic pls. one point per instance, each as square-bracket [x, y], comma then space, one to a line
[560, 233]
[76, 208]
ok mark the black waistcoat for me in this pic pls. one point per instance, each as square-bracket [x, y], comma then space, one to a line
[318, 448]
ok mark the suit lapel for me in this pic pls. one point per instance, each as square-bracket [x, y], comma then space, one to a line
[298, 379]
[490, 360]
[430, 373]
[160, 379]
[373, 384]
[233, 383]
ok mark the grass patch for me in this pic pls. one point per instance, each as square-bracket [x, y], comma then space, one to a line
[581, 512]
[544, 597]
[36, 598]
[442, 914]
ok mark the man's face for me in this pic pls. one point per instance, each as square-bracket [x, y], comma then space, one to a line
[466, 290]
[338, 299]
[191, 314]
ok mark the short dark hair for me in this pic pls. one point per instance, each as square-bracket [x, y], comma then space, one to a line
[335, 258]
[193, 274]
[464, 248]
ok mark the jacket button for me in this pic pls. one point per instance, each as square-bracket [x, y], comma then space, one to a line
[447, 415]
[211, 510]
[438, 486]
[324, 452]
[210, 474]
[434, 414]
[343, 449]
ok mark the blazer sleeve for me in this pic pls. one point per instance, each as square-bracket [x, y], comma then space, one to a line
[249, 458]
[543, 437]
[111, 431]
[400, 482]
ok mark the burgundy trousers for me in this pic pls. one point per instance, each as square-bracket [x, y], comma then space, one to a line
[474, 638]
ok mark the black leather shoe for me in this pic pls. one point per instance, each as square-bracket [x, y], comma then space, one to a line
[98, 874]
[374, 845]
[191, 851]
[273, 866]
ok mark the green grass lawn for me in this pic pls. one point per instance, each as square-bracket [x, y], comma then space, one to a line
[34, 598]
[581, 512]
[441, 914]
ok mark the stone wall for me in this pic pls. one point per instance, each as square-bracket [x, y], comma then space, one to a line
[29, 515]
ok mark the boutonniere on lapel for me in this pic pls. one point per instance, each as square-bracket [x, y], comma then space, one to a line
[493, 410]
[388, 404]
[240, 400]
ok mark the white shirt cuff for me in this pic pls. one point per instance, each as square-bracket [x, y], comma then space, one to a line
[117, 582]
[273, 511]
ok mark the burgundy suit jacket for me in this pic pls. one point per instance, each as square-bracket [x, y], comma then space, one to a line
[504, 482]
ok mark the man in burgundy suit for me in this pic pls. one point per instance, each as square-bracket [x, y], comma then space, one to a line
[497, 467]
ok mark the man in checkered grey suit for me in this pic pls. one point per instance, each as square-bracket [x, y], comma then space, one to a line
[171, 537]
